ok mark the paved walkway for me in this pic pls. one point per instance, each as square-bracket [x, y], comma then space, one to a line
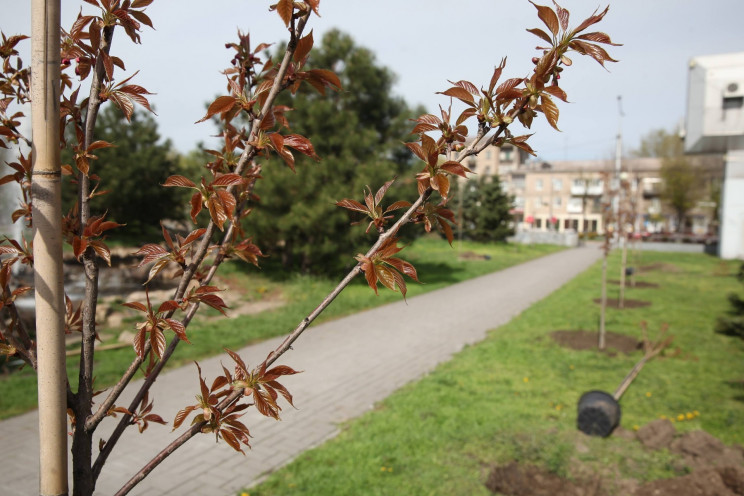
[349, 364]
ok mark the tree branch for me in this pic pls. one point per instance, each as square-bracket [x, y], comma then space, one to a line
[246, 157]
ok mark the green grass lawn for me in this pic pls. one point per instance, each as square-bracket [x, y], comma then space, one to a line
[437, 263]
[513, 396]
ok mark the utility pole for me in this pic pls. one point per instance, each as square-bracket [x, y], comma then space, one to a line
[47, 223]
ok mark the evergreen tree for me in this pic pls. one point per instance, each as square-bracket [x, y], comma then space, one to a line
[357, 132]
[486, 208]
[133, 170]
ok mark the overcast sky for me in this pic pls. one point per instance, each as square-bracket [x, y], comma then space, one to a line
[427, 42]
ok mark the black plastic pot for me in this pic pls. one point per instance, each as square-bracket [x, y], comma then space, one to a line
[599, 413]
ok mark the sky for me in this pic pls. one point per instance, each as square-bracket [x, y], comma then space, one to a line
[428, 42]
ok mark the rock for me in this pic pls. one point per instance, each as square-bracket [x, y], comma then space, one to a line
[126, 337]
[657, 434]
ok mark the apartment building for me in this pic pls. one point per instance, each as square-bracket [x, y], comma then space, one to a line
[565, 195]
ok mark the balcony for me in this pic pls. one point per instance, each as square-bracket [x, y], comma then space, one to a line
[583, 190]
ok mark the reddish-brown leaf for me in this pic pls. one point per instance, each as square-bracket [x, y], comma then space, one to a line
[285, 9]
[550, 109]
[196, 205]
[177, 180]
[541, 34]
[417, 150]
[150, 253]
[593, 19]
[556, 91]
[460, 94]
[167, 306]
[304, 45]
[547, 16]
[563, 15]
[139, 343]
[221, 105]
[405, 267]
[181, 416]
[157, 342]
[598, 37]
[352, 205]
[228, 180]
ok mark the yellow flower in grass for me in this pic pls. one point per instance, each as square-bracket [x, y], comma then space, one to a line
[697, 414]
[648, 394]
[244, 494]
[681, 417]
[635, 428]
[571, 367]
[662, 417]
[526, 379]
[690, 415]
[559, 407]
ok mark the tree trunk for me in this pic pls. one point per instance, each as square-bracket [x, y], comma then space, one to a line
[603, 305]
[82, 453]
[623, 266]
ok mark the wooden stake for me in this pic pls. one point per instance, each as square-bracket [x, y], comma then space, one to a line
[47, 223]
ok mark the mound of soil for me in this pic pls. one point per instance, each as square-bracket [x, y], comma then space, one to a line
[627, 303]
[514, 479]
[717, 470]
[587, 340]
[637, 284]
[727, 481]
[660, 266]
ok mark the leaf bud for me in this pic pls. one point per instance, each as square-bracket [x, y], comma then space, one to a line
[65, 61]
[535, 60]
[507, 119]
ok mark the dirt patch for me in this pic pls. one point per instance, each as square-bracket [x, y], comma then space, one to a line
[470, 255]
[728, 481]
[717, 470]
[514, 479]
[627, 303]
[637, 284]
[587, 340]
[659, 266]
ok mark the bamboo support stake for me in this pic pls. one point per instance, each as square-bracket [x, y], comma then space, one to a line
[47, 220]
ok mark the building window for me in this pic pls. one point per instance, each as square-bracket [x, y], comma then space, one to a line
[539, 185]
[518, 182]
[557, 184]
[557, 201]
[488, 154]
[538, 223]
[487, 170]
[506, 154]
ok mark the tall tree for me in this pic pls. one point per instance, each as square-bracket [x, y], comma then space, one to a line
[133, 171]
[486, 210]
[682, 186]
[358, 131]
